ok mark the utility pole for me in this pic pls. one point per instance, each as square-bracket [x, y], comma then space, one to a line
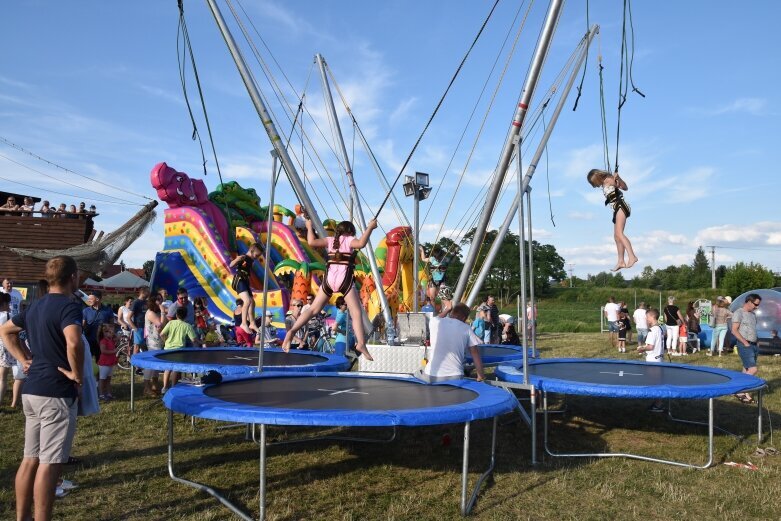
[712, 266]
[570, 273]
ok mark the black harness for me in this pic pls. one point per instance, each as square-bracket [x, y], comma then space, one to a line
[242, 272]
[341, 259]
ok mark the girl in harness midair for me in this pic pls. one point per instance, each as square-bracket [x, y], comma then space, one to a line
[342, 249]
[612, 186]
[241, 285]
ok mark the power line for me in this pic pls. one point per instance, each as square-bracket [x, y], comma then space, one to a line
[52, 163]
[62, 193]
[743, 248]
[123, 201]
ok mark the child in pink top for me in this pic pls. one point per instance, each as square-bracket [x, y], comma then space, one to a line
[106, 361]
[341, 248]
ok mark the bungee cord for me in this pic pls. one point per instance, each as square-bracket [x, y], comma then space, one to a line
[436, 109]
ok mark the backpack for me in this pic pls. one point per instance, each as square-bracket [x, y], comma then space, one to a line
[663, 330]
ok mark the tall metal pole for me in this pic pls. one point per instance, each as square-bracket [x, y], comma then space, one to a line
[521, 239]
[494, 250]
[355, 202]
[532, 301]
[267, 260]
[520, 115]
[265, 118]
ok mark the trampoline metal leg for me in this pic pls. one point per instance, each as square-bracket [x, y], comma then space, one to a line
[533, 424]
[199, 486]
[466, 507]
[759, 416]
[132, 386]
[465, 469]
[262, 463]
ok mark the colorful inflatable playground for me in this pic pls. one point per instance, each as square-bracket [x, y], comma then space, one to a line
[205, 231]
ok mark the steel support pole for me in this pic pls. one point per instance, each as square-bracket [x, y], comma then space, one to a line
[494, 250]
[554, 10]
[267, 260]
[521, 239]
[265, 118]
[355, 200]
[532, 301]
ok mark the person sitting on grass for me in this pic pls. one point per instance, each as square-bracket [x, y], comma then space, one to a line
[107, 360]
[212, 338]
[509, 334]
[653, 348]
[176, 334]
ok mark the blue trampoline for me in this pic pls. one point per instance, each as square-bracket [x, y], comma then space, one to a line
[607, 378]
[237, 360]
[343, 400]
[629, 379]
[495, 354]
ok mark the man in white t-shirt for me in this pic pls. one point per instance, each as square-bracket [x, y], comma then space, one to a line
[611, 315]
[641, 324]
[654, 348]
[450, 338]
[16, 297]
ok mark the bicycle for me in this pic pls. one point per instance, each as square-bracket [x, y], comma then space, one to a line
[124, 350]
[318, 336]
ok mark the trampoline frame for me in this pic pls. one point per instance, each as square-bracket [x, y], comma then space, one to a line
[466, 504]
[710, 424]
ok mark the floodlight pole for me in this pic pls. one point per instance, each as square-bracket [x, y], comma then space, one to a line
[554, 10]
[494, 250]
[355, 204]
[265, 118]
[416, 250]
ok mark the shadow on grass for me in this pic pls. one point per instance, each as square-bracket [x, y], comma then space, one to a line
[435, 451]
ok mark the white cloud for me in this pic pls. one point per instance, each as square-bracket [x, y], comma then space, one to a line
[161, 93]
[402, 110]
[763, 233]
[581, 216]
[753, 106]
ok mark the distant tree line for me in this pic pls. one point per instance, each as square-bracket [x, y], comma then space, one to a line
[732, 280]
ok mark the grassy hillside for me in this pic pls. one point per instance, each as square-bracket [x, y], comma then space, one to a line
[577, 310]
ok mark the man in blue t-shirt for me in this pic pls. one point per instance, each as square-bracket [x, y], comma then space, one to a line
[51, 390]
[94, 316]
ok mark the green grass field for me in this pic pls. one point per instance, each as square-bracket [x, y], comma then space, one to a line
[122, 474]
[577, 310]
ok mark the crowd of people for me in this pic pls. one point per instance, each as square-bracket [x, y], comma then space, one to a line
[50, 346]
[675, 333]
[26, 208]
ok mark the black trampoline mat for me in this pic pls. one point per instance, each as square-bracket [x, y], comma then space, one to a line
[211, 356]
[333, 392]
[498, 351]
[605, 373]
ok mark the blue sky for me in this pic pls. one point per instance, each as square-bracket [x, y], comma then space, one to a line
[94, 87]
